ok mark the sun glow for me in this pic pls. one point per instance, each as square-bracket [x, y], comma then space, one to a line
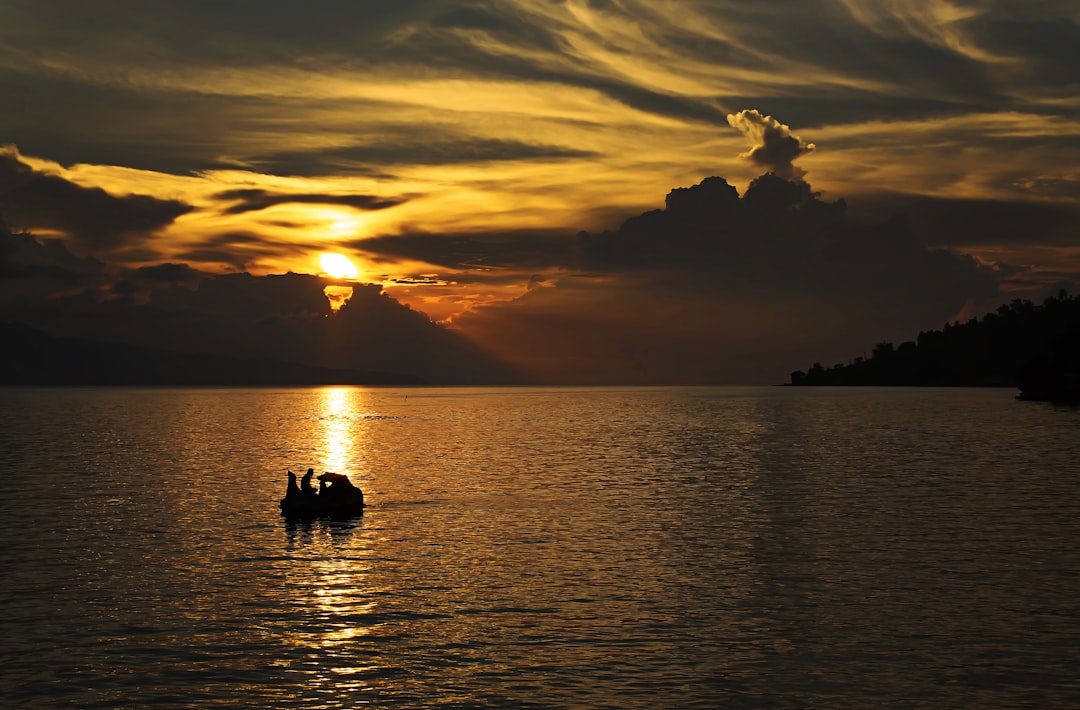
[337, 265]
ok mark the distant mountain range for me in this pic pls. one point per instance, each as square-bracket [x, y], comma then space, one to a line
[1033, 347]
[29, 356]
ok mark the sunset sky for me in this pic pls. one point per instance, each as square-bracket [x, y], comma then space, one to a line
[497, 174]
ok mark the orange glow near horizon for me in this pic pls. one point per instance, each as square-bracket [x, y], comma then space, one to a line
[337, 295]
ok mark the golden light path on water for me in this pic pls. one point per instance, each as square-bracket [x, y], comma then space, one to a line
[337, 410]
[339, 601]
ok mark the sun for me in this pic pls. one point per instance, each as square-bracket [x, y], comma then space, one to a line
[337, 265]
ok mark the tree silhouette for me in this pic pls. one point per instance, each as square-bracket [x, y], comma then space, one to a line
[1034, 347]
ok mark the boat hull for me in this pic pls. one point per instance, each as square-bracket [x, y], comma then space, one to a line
[337, 498]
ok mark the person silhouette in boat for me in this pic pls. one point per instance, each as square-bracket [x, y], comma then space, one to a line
[305, 484]
[336, 496]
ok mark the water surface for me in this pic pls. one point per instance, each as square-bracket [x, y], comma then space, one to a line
[547, 548]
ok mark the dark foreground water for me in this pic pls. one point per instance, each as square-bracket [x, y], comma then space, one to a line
[541, 548]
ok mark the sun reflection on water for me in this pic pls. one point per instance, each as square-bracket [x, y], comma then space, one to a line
[342, 618]
[337, 419]
[345, 612]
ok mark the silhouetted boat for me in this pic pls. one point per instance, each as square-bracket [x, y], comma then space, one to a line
[337, 498]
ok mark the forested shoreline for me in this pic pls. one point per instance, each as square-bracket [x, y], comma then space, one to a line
[1021, 344]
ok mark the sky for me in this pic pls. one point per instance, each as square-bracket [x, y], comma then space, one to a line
[544, 191]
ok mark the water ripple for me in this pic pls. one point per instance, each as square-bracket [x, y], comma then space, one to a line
[691, 548]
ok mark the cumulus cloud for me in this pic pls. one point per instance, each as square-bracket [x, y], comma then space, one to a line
[720, 288]
[779, 234]
[772, 144]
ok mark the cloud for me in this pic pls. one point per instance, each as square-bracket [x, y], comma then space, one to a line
[480, 120]
[965, 223]
[284, 316]
[716, 287]
[168, 273]
[720, 288]
[501, 249]
[773, 146]
[253, 199]
[238, 251]
[42, 268]
[249, 298]
[631, 90]
[398, 147]
[91, 217]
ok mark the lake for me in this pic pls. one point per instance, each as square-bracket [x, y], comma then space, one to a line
[541, 548]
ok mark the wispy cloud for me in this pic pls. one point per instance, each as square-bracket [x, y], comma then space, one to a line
[254, 199]
[449, 147]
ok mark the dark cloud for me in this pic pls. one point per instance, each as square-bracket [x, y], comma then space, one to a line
[251, 298]
[889, 54]
[962, 223]
[722, 288]
[779, 234]
[239, 249]
[655, 102]
[144, 127]
[417, 345]
[251, 200]
[1052, 46]
[716, 286]
[42, 267]
[418, 281]
[772, 145]
[168, 273]
[93, 218]
[207, 33]
[405, 148]
[219, 255]
[285, 317]
[142, 282]
[513, 249]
